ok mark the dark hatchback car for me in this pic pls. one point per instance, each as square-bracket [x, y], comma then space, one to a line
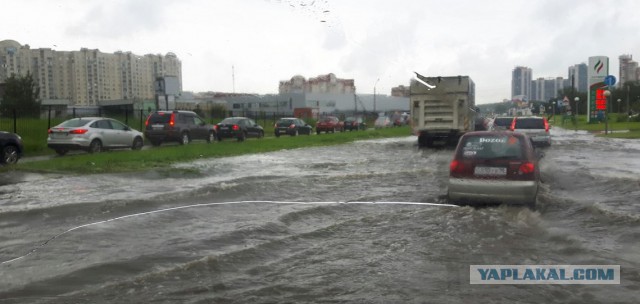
[354, 124]
[11, 146]
[291, 126]
[240, 128]
[494, 167]
[178, 126]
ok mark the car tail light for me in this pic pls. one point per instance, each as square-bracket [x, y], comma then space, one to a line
[546, 125]
[215, 127]
[172, 120]
[527, 168]
[456, 167]
[292, 126]
[235, 127]
[78, 131]
[49, 131]
[513, 125]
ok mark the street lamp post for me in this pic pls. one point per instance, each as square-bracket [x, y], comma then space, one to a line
[607, 94]
[575, 112]
[619, 100]
[374, 95]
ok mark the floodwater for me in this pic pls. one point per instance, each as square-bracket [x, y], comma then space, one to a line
[327, 224]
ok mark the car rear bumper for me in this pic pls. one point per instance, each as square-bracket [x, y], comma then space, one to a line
[490, 191]
[73, 143]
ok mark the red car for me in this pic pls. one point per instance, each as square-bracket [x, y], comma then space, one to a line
[329, 124]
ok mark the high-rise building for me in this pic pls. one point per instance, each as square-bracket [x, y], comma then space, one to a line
[578, 77]
[521, 82]
[627, 69]
[87, 76]
[548, 88]
[322, 84]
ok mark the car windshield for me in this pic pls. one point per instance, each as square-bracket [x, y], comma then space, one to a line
[306, 151]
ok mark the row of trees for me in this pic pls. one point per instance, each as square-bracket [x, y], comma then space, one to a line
[21, 94]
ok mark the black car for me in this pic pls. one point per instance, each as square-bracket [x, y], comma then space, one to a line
[291, 126]
[354, 124]
[11, 147]
[179, 126]
[240, 128]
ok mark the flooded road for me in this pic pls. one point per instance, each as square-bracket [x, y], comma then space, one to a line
[317, 225]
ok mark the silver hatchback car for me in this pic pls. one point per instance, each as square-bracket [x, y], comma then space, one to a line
[93, 134]
[494, 167]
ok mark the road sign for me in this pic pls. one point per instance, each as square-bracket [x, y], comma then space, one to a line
[610, 80]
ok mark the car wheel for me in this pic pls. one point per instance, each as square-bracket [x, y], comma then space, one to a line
[137, 143]
[95, 146]
[211, 138]
[184, 139]
[261, 134]
[318, 132]
[277, 134]
[242, 136]
[9, 155]
[61, 152]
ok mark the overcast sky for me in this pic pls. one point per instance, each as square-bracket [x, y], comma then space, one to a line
[266, 41]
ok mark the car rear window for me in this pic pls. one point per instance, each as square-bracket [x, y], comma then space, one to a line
[285, 121]
[74, 123]
[491, 147]
[230, 121]
[503, 121]
[529, 123]
[158, 118]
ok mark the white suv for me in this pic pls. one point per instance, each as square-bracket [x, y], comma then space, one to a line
[537, 128]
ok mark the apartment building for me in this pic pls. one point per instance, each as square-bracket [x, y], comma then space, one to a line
[88, 76]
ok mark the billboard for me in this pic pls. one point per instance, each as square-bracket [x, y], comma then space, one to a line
[598, 70]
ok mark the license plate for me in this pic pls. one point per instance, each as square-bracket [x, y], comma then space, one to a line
[492, 171]
[224, 128]
[59, 134]
[156, 127]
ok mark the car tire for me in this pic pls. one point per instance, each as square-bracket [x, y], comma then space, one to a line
[242, 136]
[137, 143]
[95, 146]
[318, 132]
[261, 134]
[277, 134]
[62, 151]
[211, 138]
[184, 138]
[9, 155]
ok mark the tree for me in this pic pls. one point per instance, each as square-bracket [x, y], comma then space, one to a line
[20, 94]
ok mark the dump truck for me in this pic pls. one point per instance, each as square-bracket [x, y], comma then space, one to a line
[442, 109]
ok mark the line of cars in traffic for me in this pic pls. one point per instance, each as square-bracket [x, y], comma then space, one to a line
[501, 164]
[96, 134]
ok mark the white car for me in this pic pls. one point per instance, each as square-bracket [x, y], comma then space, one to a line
[537, 128]
[93, 134]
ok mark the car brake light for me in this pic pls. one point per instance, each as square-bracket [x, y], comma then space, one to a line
[235, 127]
[78, 131]
[513, 125]
[49, 131]
[456, 166]
[172, 120]
[215, 127]
[527, 168]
